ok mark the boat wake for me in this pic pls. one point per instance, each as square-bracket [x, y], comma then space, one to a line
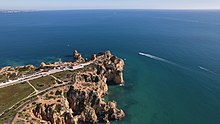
[157, 58]
[207, 70]
[172, 63]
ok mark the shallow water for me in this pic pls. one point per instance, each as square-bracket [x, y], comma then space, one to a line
[183, 89]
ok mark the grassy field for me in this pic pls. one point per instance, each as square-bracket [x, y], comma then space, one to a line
[69, 75]
[43, 82]
[3, 78]
[12, 94]
[9, 114]
[65, 75]
[20, 71]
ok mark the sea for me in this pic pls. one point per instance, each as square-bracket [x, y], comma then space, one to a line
[172, 57]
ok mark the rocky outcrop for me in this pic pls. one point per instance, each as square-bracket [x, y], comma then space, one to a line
[84, 101]
[78, 57]
[93, 57]
[92, 82]
[9, 69]
[90, 107]
[11, 73]
[85, 97]
[46, 112]
[85, 104]
[42, 65]
[111, 67]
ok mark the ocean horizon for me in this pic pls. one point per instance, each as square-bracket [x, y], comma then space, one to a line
[172, 57]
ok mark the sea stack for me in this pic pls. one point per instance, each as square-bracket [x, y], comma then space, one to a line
[78, 57]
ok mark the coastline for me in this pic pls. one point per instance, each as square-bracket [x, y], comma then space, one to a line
[90, 77]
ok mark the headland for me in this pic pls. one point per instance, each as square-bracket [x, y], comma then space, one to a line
[62, 92]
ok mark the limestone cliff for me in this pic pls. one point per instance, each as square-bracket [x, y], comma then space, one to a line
[111, 67]
[84, 99]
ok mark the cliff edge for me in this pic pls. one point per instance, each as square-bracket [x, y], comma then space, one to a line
[81, 100]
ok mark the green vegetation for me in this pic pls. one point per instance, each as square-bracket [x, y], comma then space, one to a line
[65, 94]
[12, 94]
[16, 73]
[65, 75]
[58, 107]
[3, 78]
[21, 72]
[58, 92]
[43, 82]
[70, 75]
[6, 118]
[47, 96]
[10, 113]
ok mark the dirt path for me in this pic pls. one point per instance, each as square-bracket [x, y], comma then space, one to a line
[36, 91]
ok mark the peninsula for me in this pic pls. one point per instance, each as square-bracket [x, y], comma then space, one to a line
[61, 92]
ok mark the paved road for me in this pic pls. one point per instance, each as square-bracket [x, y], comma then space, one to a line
[41, 74]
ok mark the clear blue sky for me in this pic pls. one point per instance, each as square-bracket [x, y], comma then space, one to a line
[109, 4]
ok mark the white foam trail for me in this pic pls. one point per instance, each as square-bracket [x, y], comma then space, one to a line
[205, 69]
[157, 58]
[172, 63]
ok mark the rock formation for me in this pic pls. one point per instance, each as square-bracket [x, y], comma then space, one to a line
[47, 113]
[85, 97]
[111, 67]
[78, 57]
[84, 100]
[10, 73]
[93, 57]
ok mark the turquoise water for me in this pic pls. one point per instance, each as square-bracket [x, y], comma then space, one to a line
[176, 82]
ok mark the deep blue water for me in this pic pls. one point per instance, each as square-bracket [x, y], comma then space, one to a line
[178, 82]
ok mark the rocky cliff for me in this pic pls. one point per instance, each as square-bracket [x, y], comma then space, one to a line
[78, 57]
[111, 67]
[84, 100]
